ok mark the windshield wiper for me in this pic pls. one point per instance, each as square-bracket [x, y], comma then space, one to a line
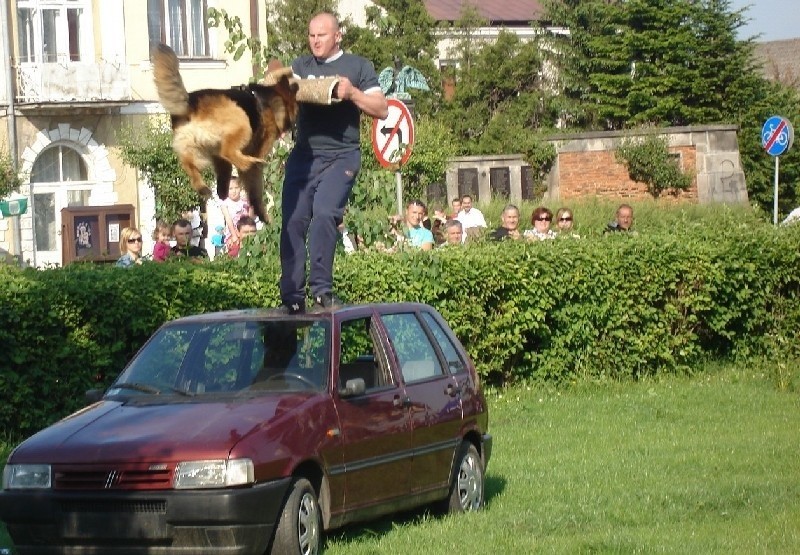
[182, 392]
[144, 388]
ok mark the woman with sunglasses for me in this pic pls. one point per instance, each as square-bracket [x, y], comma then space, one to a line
[565, 222]
[130, 246]
[540, 219]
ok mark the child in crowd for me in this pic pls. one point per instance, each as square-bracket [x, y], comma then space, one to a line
[233, 208]
[218, 239]
[161, 235]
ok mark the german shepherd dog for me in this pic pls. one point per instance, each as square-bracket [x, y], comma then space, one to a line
[225, 127]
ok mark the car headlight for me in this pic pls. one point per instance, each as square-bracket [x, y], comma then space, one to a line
[26, 476]
[213, 474]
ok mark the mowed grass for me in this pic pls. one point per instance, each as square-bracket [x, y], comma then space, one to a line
[709, 464]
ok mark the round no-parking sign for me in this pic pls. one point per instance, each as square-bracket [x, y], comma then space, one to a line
[393, 137]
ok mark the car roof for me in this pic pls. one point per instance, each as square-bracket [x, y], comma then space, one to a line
[315, 314]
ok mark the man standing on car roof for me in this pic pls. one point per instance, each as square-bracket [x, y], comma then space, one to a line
[323, 165]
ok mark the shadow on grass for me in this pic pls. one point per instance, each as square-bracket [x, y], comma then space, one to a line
[494, 486]
[353, 533]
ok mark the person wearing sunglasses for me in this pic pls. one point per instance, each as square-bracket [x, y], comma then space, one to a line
[130, 246]
[565, 222]
[540, 220]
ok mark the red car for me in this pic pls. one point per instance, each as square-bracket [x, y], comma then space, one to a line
[251, 432]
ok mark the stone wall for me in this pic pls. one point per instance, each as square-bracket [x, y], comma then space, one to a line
[586, 166]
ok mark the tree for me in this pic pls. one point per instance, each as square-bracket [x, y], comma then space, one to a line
[759, 167]
[396, 29]
[149, 150]
[400, 32]
[287, 31]
[501, 102]
[10, 179]
[467, 41]
[659, 62]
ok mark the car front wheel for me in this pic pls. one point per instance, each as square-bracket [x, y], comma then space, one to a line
[299, 526]
[466, 487]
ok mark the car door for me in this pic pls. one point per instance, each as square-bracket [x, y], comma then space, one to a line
[434, 400]
[374, 426]
[456, 362]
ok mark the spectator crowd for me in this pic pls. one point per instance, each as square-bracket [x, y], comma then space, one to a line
[416, 229]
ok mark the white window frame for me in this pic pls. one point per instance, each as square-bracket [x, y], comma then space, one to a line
[192, 40]
[36, 39]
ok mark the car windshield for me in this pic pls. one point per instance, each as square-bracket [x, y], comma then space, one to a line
[202, 358]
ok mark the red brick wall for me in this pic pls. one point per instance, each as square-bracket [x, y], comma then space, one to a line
[597, 173]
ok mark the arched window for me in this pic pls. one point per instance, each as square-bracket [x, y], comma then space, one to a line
[58, 163]
[58, 178]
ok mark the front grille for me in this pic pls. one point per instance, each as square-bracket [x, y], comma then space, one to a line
[120, 477]
[114, 506]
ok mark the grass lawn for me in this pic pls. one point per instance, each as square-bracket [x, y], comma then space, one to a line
[700, 465]
[708, 464]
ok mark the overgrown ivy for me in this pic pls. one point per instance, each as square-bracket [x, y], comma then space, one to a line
[649, 161]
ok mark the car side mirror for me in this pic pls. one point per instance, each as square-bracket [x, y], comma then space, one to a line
[93, 395]
[353, 387]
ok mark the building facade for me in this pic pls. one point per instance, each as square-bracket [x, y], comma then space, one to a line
[76, 75]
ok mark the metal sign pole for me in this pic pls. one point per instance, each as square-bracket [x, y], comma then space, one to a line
[18, 241]
[775, 196]
[398, 183]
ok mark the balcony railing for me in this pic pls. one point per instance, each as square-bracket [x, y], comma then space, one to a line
[72, 82]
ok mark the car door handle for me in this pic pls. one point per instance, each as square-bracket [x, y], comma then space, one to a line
[401, 402]
[452, 390]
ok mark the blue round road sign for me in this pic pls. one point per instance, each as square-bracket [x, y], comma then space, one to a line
[777, 135]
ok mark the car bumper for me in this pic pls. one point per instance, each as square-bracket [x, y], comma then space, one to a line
[198, 522]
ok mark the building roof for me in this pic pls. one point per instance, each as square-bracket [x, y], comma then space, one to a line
[494, 11]
[780, 61]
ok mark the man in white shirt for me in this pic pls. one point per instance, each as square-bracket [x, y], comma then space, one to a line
[471, 219]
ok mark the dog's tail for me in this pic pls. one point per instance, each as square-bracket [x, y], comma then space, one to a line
[171, 91]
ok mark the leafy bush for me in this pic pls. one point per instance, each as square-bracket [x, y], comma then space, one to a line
[10, 180]
[613, 307]
[649, 161]
[148, 148]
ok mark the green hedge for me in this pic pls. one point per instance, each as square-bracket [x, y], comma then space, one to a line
[615, 307]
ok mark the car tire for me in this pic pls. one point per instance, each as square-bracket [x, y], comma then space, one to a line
[299, 529]
[467, 482]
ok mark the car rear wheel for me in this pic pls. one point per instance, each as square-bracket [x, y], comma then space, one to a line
[299, 526]
[466, 486]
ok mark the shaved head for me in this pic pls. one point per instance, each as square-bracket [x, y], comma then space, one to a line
[324, 36]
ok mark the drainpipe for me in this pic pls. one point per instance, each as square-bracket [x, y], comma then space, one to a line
[12, 116]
